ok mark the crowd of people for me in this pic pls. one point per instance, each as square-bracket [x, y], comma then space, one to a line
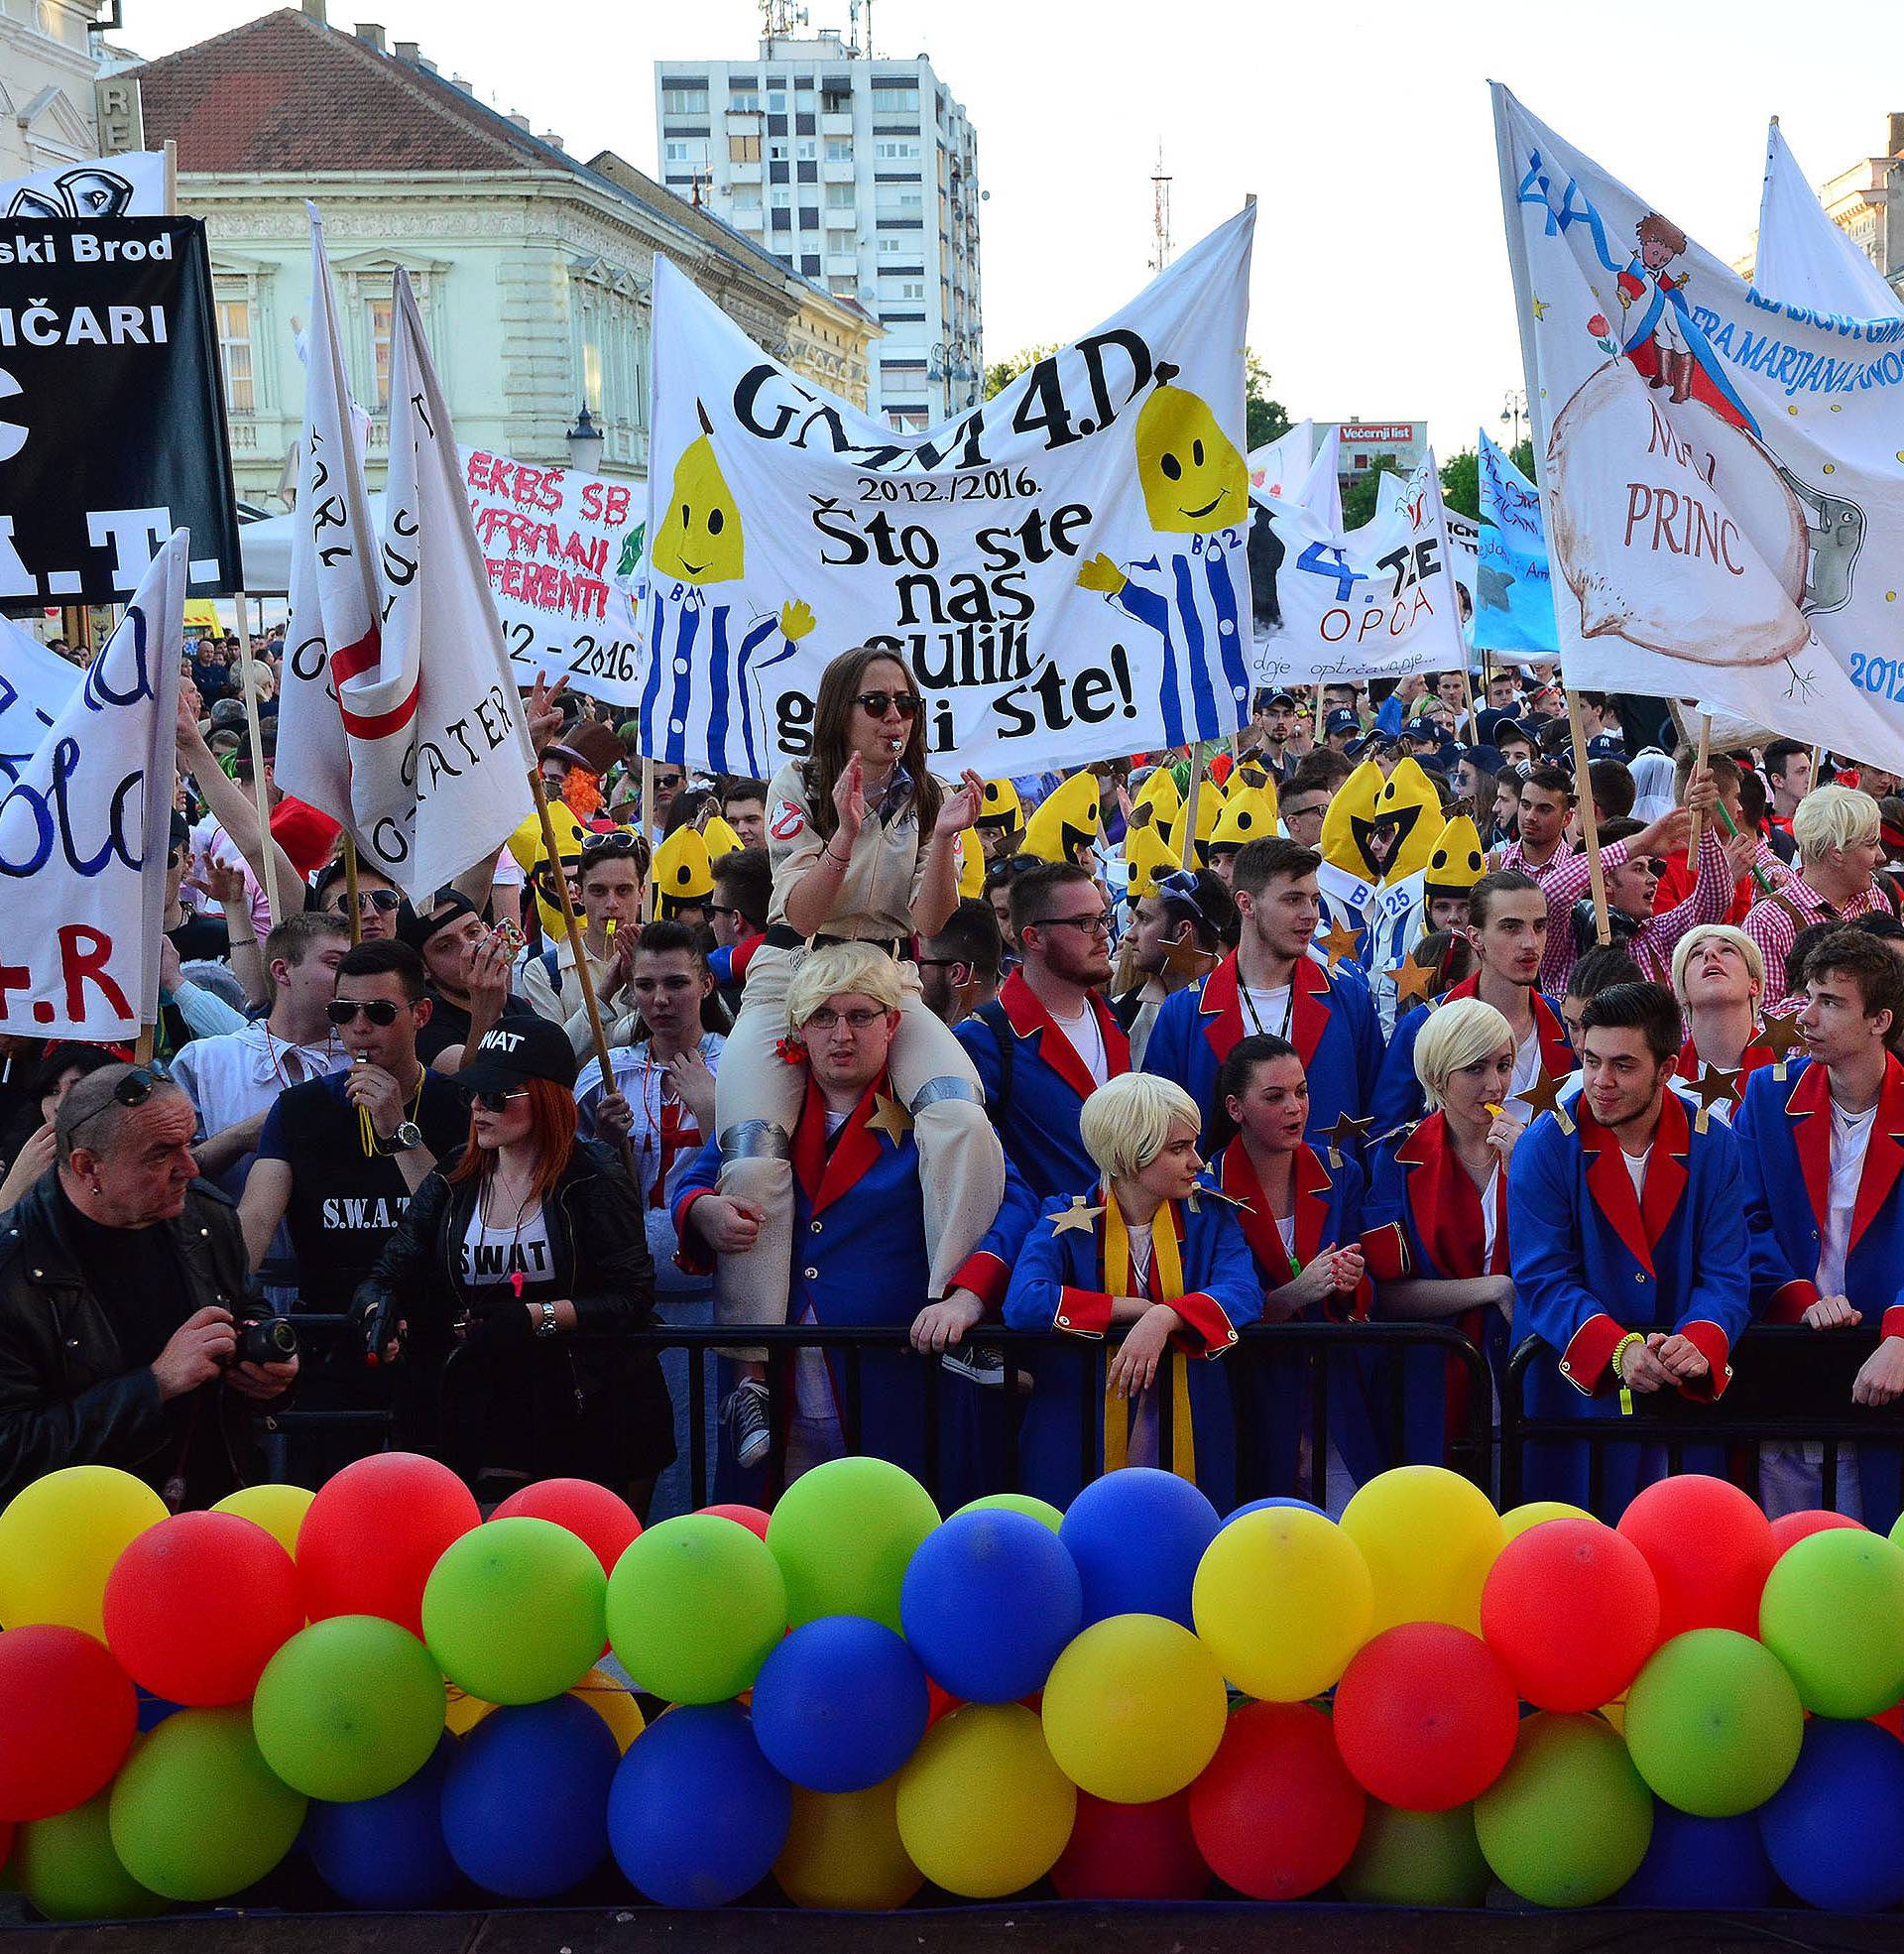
[1386, 1009]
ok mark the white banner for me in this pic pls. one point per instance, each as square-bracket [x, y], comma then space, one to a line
[1378, 601]
[1723, 474]
[131, 186]
[36, 685]
[84, 833]
[1803, 254]
[1062, 570]
[1278, 468]
[1463, 543]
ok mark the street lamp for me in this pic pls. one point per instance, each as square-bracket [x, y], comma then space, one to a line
[585, 443]
[1513, 411]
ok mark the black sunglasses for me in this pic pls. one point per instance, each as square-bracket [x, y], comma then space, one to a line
[134, 1089]
[668, 779]
[879, 703]
[343, 1010]
[490, 1101]
[385, 901]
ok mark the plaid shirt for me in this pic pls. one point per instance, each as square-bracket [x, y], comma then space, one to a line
[1771, 925]
[1651, 945]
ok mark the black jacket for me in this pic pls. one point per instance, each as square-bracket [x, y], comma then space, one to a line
[586, 1405]
[67, 1396]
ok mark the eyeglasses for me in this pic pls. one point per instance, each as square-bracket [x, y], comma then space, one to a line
[826, 1018]
[1084, 925]
[344, 1011]
[492, 1102]
[879, 705]
[134, 1089]
[385, 901]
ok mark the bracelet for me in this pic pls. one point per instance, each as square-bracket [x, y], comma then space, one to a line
[826, 849]
[1621, 1347]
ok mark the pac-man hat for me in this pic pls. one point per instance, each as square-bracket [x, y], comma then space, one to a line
[1210, 806]
[1249, 814]
[1001, 808]
[1147, 855]
[720, 837]
[683, 874]
[1159, 791]
[1456, 862]
[1351, 820]
[1408, 798]
[971, 863]
[1068, 820]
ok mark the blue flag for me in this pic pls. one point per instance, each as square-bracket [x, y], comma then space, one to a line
[1513, 595]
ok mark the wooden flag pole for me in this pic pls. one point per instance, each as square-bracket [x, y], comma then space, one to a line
[142, 1050]
[648, 836]
[1588, 823]
[1699, 765]
[248, 675]
[350, 889]
[1190, 804]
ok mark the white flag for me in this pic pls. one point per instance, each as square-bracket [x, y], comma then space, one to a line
[1722, 470]
[84, 833]
[1321, 489]
[131, 186]
[1276, 470]
[35, 686]
[1803, 256]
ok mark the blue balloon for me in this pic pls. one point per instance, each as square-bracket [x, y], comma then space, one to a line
[988, 1601]
[525, 1798]
[1264, 1506]
[1835, 1829]
[1136, 1537]
[698, 1816]
[1701, 1861]
[153, 1711]
[388, 1852]
[841, 1703]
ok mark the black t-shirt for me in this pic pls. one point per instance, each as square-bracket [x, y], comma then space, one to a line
[135, 1273]
[344, 1205]
[449, 1024]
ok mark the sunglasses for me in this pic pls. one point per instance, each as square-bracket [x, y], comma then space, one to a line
[346, 1010]
[385, 901]
[665, 781]
[493, 1102]
[134, 1089]
[609, 844]
[906, 705]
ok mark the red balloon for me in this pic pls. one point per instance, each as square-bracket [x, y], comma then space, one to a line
[198, 1605]
[1710, 1548]
[751, 1518]
[938, 1703]
[67, 1715]
[1131, 1852]
[375, 1531]
[1572, 1609]
[602, 1521]
[1426, 1716]
[1789, 1528]
[1891, 1719]
[1275, 1813]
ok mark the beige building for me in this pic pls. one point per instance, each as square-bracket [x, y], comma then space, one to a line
[51, 58]
[1865, 203]
[534, 270]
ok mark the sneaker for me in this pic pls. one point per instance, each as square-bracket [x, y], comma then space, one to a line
[979, 1363]
[751, 1432]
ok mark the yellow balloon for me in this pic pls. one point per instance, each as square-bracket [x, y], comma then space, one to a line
[278, 1510]
[59, 1541]
[1134, 1709]
[983, 1809]
[463, 1711]
[1516, 1521]
[844, 1852]
[612, 1701]
[1284, 1599]
[1616, 1713]
[1429, 1538]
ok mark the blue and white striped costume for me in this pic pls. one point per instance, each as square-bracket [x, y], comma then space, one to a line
[701, 703]
[1198, 603]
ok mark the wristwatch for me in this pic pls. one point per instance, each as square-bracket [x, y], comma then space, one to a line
[407, 1136]
[548, 1326]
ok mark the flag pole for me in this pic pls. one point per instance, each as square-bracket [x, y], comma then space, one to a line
[350, 889]
[248, 674]
[1588, 823]
[142, 1049]
[1699, 765]
[1190, 806]
[648, 832]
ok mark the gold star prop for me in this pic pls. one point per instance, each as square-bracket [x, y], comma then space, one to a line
[889, 1118]
[1345, 1131]
[1185, 962]
[1543, 1096]
[1077, 1216]
[1540, 309]
[1412, 980]
[1715, 1087]
[1339, 942]
[1779, 1033]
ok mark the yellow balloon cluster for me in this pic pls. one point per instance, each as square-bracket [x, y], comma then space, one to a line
[59, 1539]
[1283, 1598]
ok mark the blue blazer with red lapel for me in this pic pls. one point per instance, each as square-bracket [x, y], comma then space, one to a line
[1058, 1284]
[1333, 1026]
[1039, 1127]
[1398, 1097]
[1591, 1262]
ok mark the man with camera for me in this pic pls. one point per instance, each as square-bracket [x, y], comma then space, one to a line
[122, 1306]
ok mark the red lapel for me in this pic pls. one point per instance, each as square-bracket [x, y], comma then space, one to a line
[1611, 1187]
[1222, 1009]
[1884, 1157]
[1444, 1201]
[1310, 1188]
[1313, 1188]
[1808, 1107]
[1309, 1016]
[825, 1176]
[1028, 1018]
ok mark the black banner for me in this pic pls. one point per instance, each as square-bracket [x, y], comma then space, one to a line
[112, 415]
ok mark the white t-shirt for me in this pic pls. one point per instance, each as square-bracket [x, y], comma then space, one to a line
[1526, 1065]
[489, 1255]
[1087, 1040]
[1850, 1140]
[1636, 1170]
[1268, 1010]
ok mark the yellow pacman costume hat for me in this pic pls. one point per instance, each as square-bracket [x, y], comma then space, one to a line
[971, 863]
[1066, 820]
[1001, 808]
[1159, 793]
[1408, 798]
[532, 857]
[1456, 862]
[1149, 856]
[683, 874]
[1351, 820]
[720, 837]
[1210, 807]
[1249, 815]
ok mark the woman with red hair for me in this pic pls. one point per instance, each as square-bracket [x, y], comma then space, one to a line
[504, 1287]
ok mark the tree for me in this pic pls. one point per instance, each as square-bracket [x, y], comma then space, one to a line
[1267, 419]
[1001, 373]
[1359, 498]
[1460, 483]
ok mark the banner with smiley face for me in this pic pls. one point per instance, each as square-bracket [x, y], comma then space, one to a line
[1063, 569]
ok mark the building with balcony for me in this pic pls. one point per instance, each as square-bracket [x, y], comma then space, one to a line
[858, 172]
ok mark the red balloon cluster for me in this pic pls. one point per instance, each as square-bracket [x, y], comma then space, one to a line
[1710, 1548]
[374, 1533]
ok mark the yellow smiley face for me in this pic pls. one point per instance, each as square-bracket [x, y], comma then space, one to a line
[699, 540]
[1194, 480]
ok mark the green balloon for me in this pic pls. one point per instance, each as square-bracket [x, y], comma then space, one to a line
[1569, 1820]
[195, 1813]
[349, 1708]
[69, 1869]
[1714, 1723]
[694, 1607]
[514, 1611]
[844, 1535]
[1041, 1511]
[1416, 1859]
[1832, 1612]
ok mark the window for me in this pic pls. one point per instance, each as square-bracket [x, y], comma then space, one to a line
[847, 286]
[745, 98]
[776, 101]
[776, 152]
[839, 196]
[677, 152]
[894, 247]
[234, 353]
[895, 95]
[376, 322]
[911, 287]
[743, 149]
[838, 149]
[781, 198]
[808, 173]
[804, 151]
[781, 217]
[805, 123]
[684, 101]
[896, 152]
[745, 196]
[810, 266]
[902, 375]
[809, 218]
[836, 100]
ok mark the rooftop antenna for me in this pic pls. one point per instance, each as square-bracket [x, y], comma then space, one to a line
[1160, 213]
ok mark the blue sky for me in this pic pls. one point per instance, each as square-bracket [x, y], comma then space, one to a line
[1380, 284]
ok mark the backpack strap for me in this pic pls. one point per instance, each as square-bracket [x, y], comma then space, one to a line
[1002, 1035]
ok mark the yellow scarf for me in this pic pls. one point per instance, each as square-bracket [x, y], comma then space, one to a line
[1121, 1279]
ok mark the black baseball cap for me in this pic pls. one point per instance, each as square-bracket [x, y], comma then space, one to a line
[1513, 729]
[1486, 757]
[1341, 720]
[416, 927]
[1606, 746]
[519, 1048]
[1277, 701]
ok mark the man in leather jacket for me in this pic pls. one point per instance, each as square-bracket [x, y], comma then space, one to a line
[120, 1279]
